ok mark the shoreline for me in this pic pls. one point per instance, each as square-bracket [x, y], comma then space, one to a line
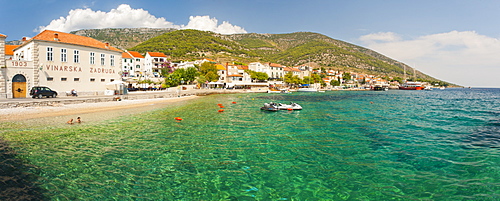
[111, 109]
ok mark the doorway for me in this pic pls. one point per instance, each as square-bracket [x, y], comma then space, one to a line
[19, 86]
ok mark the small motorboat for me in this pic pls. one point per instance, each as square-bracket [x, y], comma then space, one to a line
[292, 106]
[280, 106]
[270, 107]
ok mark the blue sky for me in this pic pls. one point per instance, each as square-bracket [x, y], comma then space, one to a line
[456, 41]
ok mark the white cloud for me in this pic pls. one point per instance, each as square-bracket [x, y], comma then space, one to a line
[465, 58]
[206, 23]
[380, 36]
[126, 17]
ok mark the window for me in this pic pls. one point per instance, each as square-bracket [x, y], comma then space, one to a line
[49, 54]
[103, 80]
[92, 79]
[112, 60]
[137, 59]
[102, 59]
[64, 55]
[138, 66]
[76, 79]
[64, 79]
[76, 56]
[92, 58]
[111, 80]
[50, 79]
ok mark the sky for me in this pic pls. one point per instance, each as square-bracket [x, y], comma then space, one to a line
[452, 40]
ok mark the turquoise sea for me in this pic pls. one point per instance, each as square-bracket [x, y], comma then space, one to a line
[344, 145]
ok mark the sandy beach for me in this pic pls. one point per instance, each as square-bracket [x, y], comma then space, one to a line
[87, 111]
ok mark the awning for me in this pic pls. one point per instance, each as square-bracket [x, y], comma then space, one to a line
[216, 83]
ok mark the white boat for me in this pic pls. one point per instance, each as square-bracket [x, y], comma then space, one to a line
[281, 91]
[307, 90]
[280, 106]
[270, 107]
[291, 106]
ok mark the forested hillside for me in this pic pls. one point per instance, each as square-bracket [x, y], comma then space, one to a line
[122, 38]
[291, 49]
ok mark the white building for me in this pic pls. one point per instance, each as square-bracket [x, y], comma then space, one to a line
[258, 67]
[154, 63]
[294, 71]
[276, 71]
[133, 64]
[185, 65]
[236, 74]
[60, 61]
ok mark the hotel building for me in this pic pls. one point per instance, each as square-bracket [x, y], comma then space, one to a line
[60, 61]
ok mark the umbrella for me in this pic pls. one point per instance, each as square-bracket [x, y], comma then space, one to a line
[115, 82]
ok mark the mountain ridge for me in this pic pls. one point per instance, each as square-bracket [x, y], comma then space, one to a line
[289, 49]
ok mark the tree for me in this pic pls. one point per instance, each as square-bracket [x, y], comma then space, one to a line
[335, 83]
[201, 80]
[211, 76]
[208, 67]
[346, 76]
[292, 79]
[316, 78]
[190, 74]
[209, 70]
[307, 80]
[257, 75]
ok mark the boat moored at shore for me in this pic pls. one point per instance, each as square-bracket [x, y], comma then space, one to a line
[411, 86]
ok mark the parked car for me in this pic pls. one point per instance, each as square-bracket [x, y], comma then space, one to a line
[40, 92]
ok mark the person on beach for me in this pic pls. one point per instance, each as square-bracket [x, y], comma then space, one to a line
[73, 93]
[70, 121]
[78, 120]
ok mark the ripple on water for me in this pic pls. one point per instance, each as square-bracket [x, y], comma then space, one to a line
[342, 146]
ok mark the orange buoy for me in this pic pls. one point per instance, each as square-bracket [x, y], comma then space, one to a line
[289, 109]
[221, 110]
[178, 118]
[234, 102]
[221, 106]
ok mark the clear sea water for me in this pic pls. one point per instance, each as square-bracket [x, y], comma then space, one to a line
[344, 145]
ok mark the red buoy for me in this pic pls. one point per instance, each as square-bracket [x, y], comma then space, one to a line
[289, 109]
[221, 106]
[221, 110]
[234, 102]
[178, 118]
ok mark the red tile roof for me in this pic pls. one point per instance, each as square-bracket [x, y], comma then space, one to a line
[136, 54]
[61, 37]
[9, 49]
[3, 36]
[126, 55]
[235, 75]
[291, 69]
[275, 65]
[156, 54]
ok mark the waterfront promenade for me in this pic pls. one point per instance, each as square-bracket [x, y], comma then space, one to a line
[62, 99]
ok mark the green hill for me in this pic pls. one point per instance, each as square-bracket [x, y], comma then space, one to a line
[291, 49]
[123, 38]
